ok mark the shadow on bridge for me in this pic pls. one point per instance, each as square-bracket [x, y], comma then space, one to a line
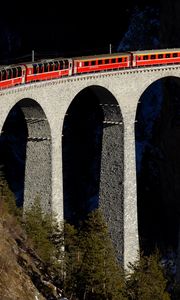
[158, 166]
[93, 156]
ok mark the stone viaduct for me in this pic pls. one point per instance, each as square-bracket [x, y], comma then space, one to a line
[45, 105]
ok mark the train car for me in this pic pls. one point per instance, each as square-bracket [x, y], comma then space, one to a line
[155, 57]
[48, 69]
[103, 62]
[59, 67]
[12, 75]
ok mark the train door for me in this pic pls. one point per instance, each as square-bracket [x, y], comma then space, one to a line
[74, 67]
[70, 67]
[134, 58]
[23, 75]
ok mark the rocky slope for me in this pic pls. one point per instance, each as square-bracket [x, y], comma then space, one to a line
[22, 274]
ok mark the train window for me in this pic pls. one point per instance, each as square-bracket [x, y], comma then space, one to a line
[86, 63]
[40, 68]
[100, 62]
[93, 63]
[119, 59]
[34, 69]
[61, 64]
[145, 57]
[125, 58]
[106, 61]
[14, 72]
[160, 55]
[45, 67]
[9, 74]
[167, 55]
[19, 71]
[50, 66]
[175, 54]
[3, 72]
[55, 65]
[139, 57]
[66, 64]
[153, 56]
[113, 60]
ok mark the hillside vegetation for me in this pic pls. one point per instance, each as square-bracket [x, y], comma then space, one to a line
[39, 260]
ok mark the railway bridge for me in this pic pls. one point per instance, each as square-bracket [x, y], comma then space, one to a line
[45, 108]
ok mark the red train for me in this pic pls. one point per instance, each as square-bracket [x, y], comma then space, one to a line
[59, 67]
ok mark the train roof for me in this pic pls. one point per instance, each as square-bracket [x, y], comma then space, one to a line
[167, 50]
[5, 67]
[90, 57]
[51, 59]
[42, 61]
[100, 56]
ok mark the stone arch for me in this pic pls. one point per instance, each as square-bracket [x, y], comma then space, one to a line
[95, 112]
[27, 127]
[158, 169]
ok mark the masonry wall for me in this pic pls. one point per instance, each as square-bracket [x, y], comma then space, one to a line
[54, 98]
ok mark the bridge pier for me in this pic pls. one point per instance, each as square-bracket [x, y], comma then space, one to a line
[38, 156]
[131, 237]
[111, 195]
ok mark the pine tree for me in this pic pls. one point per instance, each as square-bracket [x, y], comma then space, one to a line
[146, 280]
[94, 270]
[8, 200]
[102, 275]
[7, 197]
[39, 227]
[72, 259]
